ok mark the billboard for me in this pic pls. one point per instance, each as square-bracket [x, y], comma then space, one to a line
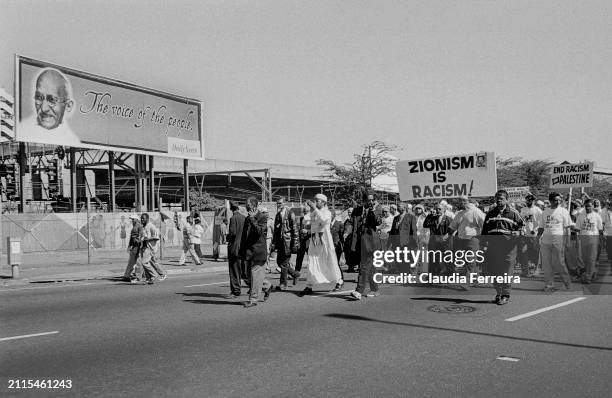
[7, 121]
[447, 177]
[61, 106]
[568, 175]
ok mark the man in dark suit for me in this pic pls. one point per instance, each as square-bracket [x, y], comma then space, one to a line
[368, 220]
[284, 240]
[337, 232]
[304, 235]
[254, 251]
[234, 237]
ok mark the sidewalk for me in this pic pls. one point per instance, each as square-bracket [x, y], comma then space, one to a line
[59, 266]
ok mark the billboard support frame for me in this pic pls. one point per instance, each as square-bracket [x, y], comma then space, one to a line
[152, 183]
[186, 185]
[111, 181]
[22, 166]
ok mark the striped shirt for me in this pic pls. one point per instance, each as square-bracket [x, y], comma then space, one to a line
[502, 222]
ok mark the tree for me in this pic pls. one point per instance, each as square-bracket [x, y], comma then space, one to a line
[355, 178]
[202, 201]
[517, 172]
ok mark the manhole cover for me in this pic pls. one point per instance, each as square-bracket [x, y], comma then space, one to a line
[452, 309]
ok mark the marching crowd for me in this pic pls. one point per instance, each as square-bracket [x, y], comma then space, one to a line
[537, 236]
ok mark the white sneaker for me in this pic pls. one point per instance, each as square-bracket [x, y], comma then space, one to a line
[373, 294]
[162, 277]
[356, 295]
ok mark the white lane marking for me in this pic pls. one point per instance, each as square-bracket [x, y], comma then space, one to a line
[207, 284]
[509, 359]
[552, 307]
[332, 293]
[25, 336]
[47, 287]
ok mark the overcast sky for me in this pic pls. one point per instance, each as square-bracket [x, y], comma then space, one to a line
[294, 81]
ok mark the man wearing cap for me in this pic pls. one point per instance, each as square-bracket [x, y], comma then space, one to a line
[284, 241]
[132, 271]
[501, 229]
[529, 248]
[468, 224]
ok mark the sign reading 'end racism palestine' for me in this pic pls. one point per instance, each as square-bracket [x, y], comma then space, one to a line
[568, 175]
[447, 177]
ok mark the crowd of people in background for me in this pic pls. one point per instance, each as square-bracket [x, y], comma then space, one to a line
[535, 237]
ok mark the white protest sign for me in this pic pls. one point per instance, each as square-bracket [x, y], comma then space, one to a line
[447, 177]
[572, 175]
[517, 194]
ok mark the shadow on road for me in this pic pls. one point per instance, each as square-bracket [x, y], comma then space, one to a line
[454, 300]
[414, 325]
[222, 300]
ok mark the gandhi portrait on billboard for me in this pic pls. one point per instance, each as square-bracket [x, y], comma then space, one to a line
[53, 104]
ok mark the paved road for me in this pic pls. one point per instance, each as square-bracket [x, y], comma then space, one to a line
[179, 339]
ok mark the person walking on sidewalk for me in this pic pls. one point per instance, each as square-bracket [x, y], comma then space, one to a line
[196, 236]
[285, 241]
[234, 237]
[132, 271]
[188, 247]
[150, 238]
[254, 252]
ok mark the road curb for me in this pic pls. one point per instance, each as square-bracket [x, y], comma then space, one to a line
[103, 274]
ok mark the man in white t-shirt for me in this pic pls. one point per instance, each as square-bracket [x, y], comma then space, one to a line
[606, 217]
[590, 226]
[553, 230]
[468, 223]
[529, 249]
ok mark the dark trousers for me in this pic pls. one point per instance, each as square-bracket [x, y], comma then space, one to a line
[283, 260]
[339, 250]
[501, 257]
[303, 249]
[436, 265]
[366, 267]
[198, 250]
[235, 273]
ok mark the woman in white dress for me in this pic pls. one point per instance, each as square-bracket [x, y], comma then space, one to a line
[322, 261]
